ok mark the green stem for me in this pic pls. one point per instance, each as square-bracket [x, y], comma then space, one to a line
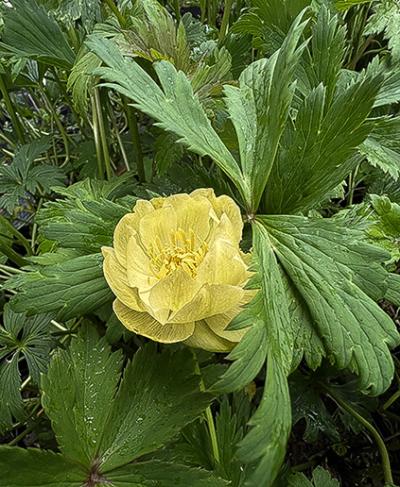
[57, 121]
[12, 255]
[209, 416]
[133, 128]
[116, 12]
[118, 137]
[15, 233]
[10, 109]
[177, 10]
[225, 20]
[387, 471]
[102, 133]
[392, 399]
[96, 134]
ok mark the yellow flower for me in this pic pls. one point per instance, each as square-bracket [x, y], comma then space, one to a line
[177, 271]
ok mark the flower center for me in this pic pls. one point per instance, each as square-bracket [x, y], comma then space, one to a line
[181, 254]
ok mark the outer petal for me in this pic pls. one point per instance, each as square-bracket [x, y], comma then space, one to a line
[171, 294]
[218, 323]
[210, 300]
[203, 337]
[223, 264]
[128, 226]
[139, 271]
[116, 278]
[223, 205]
[144, 324]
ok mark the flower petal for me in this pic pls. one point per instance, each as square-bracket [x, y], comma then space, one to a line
[116, 278]
[127, 227]
[203, 337]
[144, 324]
[193, 215]
[223, 205]
[223, 264]
[171, 293]
[219, 322]
[160, 224]
[210, 300]
[139, 271]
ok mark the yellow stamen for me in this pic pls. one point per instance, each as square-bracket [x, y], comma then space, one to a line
[182, 253]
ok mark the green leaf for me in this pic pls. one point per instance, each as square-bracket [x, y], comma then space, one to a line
[83, 225]
[155, 36]
[147, 474]
[385, 19]
[385, 231]
[11, 405]
[336, 272]
[307, 405]
[259, 109]
[174, 105]
[21, 177]
[382, 147]
[71, 288]
[80, 80]
[265, 444]
[77, 393]
[38, 468]
[320, 478]
[102, 427]
[158, 396]
[393, 291]
[323, 143]
[323, 58]
[21, 338]
[30, 32]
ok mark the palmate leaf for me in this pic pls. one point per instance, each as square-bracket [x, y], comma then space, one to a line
[175, 107]
[339, 277]
[21, 177]
[265, 87]
[382, 147]
[29, 32]
[385, 19]
[33, 467]
[71, 288]
[271, 424]
[318, 285]
[320, 478]
[21, 338]
[104, 422]
[323, 143]
[69, 281]
[259, 109]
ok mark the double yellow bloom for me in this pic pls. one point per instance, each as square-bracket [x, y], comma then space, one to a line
[177, 271]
